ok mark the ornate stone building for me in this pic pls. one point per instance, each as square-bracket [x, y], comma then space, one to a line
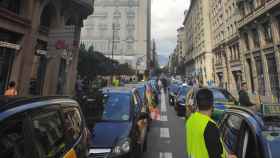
[39, 44]
[224, 19]
[120, 29]
[199, 57]
[259, 29]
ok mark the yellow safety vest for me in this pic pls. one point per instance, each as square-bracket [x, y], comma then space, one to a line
[195, 127]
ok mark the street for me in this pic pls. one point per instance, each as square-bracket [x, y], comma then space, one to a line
[167, 136]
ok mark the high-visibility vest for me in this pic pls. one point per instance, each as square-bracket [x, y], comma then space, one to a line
[195, 127]
[11, 92]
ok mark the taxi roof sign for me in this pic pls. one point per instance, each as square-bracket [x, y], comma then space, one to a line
[268, 110]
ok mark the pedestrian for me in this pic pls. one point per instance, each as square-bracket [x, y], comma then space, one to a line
[203, 137]
[244, 99]
[11, 91]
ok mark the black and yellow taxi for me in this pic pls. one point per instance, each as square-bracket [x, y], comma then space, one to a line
[42, 127]
[251, 134]
[118, 124]
[222, 101]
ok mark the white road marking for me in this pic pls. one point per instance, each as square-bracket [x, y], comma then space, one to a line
[164, 133]
[163, 103]
[163, 118]
[165, 155]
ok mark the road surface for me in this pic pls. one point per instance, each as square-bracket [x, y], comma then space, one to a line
[167, 137]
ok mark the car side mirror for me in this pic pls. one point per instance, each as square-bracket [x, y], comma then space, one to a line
[144, 115]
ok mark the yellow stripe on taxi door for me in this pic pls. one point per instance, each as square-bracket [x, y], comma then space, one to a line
[71, 154]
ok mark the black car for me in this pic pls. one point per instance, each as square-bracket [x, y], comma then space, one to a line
[120, 130]
[252, 135]
[180, 100]
[43, 127]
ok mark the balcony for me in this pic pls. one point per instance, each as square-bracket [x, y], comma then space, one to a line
[261, 10]
[86, 4]
[235, 65]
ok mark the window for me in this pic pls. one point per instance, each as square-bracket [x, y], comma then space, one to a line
[249, 144]
[246, 38]
[49, 133]
[12, 138]
[267, 32]
[11, 5]
[260, 73]
[232, 127]
[73, 124]
[256, 37]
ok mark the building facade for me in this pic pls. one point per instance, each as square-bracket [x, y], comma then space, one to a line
[227, 64]
[259, 29]
[120, 29]
[199, 57]
[39, 44]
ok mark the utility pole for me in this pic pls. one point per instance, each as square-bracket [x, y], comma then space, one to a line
[113, 42]
[113, 47]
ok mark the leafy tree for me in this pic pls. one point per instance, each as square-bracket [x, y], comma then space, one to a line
[92, 63]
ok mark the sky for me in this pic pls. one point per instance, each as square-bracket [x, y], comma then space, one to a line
[167, 16]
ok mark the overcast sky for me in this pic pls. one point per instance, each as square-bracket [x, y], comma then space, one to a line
[167, 16]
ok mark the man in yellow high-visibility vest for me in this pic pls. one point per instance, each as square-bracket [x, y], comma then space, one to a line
[202, 133]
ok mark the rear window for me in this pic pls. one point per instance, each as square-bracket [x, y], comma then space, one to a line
[221, 95]
[184, 90]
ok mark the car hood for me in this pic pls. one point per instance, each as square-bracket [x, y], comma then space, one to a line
[107, 134]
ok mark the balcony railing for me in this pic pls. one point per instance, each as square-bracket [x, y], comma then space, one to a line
[258, 11]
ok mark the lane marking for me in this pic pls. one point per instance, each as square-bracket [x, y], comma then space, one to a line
[163, 103]
[165, 155]
[163, 118]
[164, 133]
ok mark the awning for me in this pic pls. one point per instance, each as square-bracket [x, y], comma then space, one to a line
[9, 45]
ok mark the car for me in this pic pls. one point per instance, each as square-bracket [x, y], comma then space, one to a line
[141, 91]
[172, 92]
[41, 127]
[222, 100]
[180, 100]
[252, 135]
[120, 130]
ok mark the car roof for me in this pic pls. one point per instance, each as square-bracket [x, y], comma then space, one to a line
[127, 90]
[11, 105]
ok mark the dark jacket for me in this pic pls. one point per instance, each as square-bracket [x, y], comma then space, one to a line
[244, 99]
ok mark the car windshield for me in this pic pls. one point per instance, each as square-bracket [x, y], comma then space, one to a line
[221, 95]
[112, 107]
[273, 140]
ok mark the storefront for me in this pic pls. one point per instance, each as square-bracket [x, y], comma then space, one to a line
[8, 50]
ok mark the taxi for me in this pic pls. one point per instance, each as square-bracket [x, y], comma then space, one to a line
[42, 127]
[250, 134]
[222, 100]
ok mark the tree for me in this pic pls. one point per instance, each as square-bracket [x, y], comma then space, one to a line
[92, 63]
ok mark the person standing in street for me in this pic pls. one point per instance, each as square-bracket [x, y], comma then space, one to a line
[244, 98]
[11, 91]
[203, 137]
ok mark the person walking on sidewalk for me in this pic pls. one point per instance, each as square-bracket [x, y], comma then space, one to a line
[244, 98]
[11, 91]
[202, 134]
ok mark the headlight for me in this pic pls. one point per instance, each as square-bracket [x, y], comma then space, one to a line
[122, 147]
